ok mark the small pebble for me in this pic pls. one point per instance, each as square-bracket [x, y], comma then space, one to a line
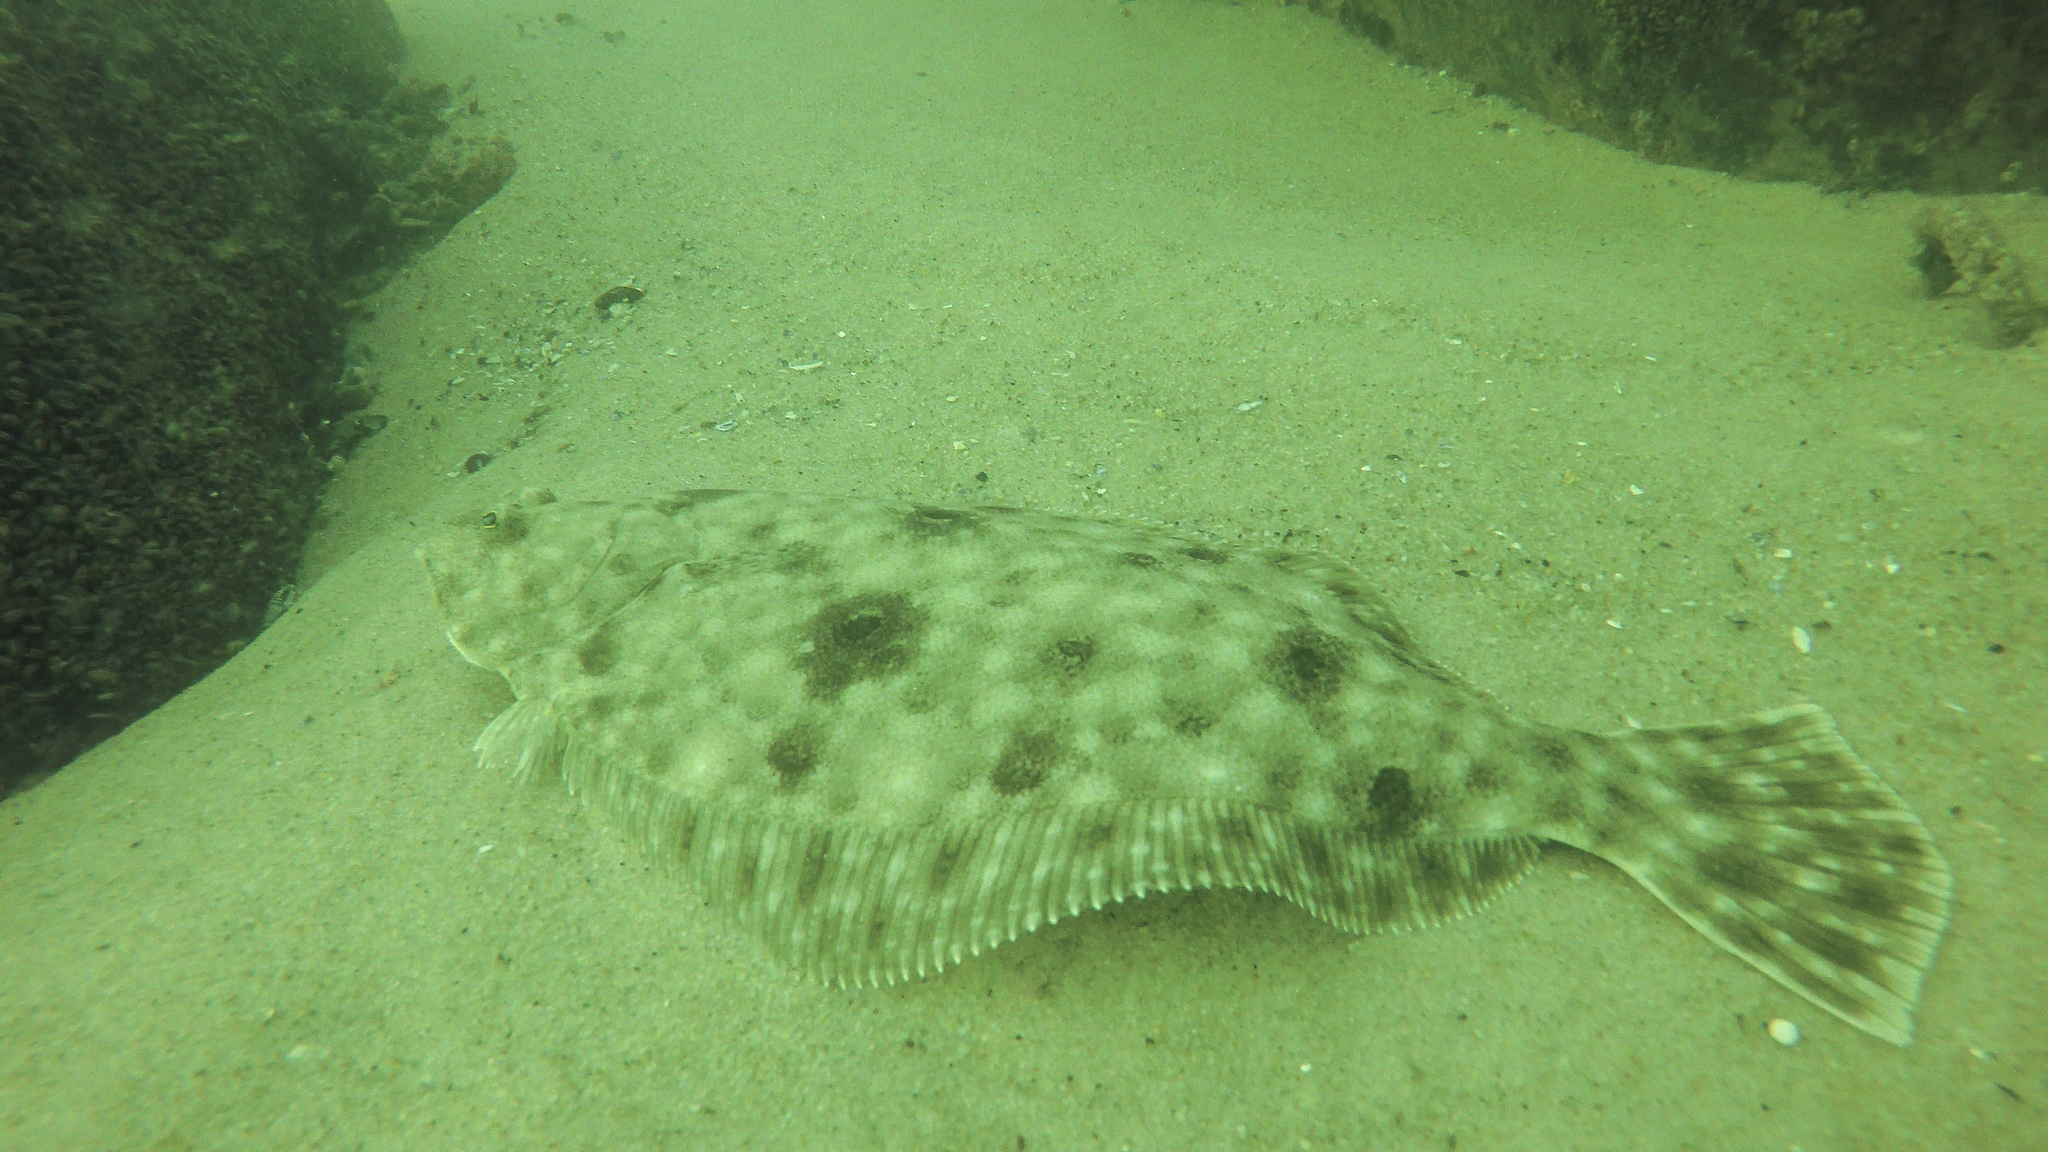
[1802, 640]
[1783, 1031]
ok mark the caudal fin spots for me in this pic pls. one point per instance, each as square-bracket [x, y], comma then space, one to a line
[1872, 899]
[1774, 841]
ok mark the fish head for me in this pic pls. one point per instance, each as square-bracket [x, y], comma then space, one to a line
[531, 573]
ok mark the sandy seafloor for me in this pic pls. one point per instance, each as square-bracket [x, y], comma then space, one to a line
[1604, 431]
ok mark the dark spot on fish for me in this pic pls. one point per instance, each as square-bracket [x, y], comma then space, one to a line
[794, 755]
[800, 560]
[597, 654]
[1026, 762]
[933, 523]
[1495, 862]
[1713, 792]
[661, 754]
[1309, 665]
[1437, 876]
[1117, 729]
[1234, 827]
[812, 868]
[1097, 833]
[1554, 754]
[672, 504]
[1206, 555]
[1338, 579]
[1903, 847]
[1808, 793]
[945, 862]
[1835, 945]
[1738, 868]
[1737, 929]
[1140, 559]
[1391, 807]
[1874, 898]
[863, 637]
[1347, 592]
[1069, 658]
[1382, 904]
[1389, 631]
[1193, 724]
[746, 870]
[1316, 858]
[1485, 777]
[601, 706]
[1624, 802]
[1565, 807]
[1846, 842]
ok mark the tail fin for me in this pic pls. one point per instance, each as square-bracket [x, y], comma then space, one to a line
[1769, 835]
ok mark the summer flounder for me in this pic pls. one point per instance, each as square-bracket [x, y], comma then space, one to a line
[889, 736]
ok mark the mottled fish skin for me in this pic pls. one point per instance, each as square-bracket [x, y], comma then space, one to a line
[888, 736]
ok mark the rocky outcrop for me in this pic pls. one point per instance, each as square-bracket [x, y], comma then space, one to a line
[1929, 95]
[190, 190]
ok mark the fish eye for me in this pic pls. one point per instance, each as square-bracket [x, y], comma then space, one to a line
[490, 519]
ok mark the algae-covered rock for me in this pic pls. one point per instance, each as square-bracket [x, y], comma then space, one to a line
[1930, 95]
[179, 181]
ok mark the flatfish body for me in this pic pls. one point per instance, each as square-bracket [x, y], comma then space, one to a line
[889, 736]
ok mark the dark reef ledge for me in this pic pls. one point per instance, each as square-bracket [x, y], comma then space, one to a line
[1943, 96]
[191, 191]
